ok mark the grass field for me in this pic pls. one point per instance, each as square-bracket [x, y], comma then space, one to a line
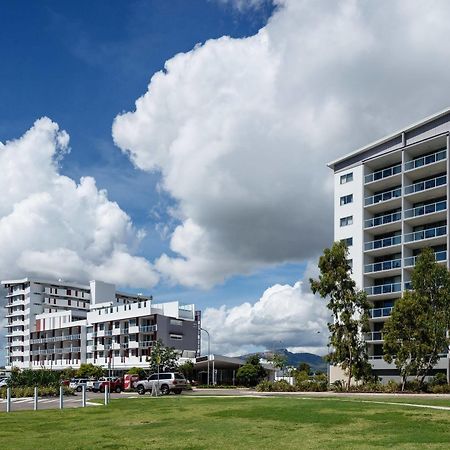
[185, 422]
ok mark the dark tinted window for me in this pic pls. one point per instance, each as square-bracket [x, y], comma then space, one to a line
[165, 376]
[153, 377]
[179, 376]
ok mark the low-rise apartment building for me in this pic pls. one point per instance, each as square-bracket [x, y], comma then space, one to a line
[58, 325]
[391, 201]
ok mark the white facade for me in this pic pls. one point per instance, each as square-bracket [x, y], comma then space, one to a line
[59, 325]
[391, 201]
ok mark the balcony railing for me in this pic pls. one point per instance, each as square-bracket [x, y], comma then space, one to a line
[426, 234]
[71, 337]
[426, 209]
[383, 197]
[425, 160]
[148, 328]
[424, 185]
[383, 289]
[373, 336]
[146, 344]
[381, 243]
[384, 173]
[384, 265]
[375, 313]
[383, 220]
[439, 256]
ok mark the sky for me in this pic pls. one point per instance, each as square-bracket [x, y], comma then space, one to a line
[179, 148]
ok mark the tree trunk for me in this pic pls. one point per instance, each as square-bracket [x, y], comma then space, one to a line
[349, 370]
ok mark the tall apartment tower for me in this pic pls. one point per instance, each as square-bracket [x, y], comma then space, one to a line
[391, 201]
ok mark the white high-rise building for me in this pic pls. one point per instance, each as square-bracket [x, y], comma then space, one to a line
[58, 325]
[391, 201]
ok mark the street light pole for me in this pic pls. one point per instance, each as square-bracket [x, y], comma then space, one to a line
[209, 350]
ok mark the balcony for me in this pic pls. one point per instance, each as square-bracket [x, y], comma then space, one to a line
[420, 214]
[373, 336]
[383, 220]
[378, 313]
[133, 344]
[133, 329]
[115, 346]
[382, 174]
[383, 266]
[424, 190]
[382, 243]
[427, 160]
[384, 290]
[148, 329]
[439, 256]
[380, 199]
[438, 235]
[146, 344]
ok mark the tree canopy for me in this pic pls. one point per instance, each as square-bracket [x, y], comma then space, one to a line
[349, 308]
[162, 358]
[416, 333]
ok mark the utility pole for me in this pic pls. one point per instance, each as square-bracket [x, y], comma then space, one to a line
[209, 350]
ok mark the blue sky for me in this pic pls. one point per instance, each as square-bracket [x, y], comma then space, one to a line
[81, 63]
[215, 148]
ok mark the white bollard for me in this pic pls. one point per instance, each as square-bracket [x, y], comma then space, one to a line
[8, 399]
[83, 396]
[61, 397]
[35, 406]
[106, 395]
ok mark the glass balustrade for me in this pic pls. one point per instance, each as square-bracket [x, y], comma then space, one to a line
[424, 185]
[385, 265]
[426, 234]
[382, 220]
[373, 336]
[425, 160]
[384, 173]
[383, 289]
[376, 313]
[381, 243]
[383, 197]
[439, 256]
[426, 209]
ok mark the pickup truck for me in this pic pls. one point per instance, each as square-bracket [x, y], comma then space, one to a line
[168, 382]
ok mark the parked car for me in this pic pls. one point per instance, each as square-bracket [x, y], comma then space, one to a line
[115, 384]
[3, 382]
[168, 382]
[78, 383]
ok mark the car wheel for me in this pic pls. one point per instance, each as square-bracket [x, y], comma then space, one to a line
[79, 388]
[95, 390]
[118, 390]
[177, 391]
[165, 389]
[141, 389]
[102, 390]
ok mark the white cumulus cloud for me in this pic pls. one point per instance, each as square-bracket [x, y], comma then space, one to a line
[284, 317]
[241, 129]
[52, 226]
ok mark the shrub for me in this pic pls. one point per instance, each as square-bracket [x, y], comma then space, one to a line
[440, 389]
[440, 379]
[43, 391]
[275, 386]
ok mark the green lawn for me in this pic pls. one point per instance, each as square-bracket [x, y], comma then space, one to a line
[185, 422]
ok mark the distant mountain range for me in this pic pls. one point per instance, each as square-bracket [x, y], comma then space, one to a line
[317, 363]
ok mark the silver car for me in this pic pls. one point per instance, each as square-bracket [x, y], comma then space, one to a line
[167, 382]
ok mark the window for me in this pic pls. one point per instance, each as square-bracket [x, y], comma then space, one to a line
[346, 221]
[346, 199]
[347, 178]
[176, 322]
[177, 337]
[69, 292]
[348, 241]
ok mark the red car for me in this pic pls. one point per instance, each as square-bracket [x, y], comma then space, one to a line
[114, 384]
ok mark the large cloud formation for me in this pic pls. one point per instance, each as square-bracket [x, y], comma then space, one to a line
[284, 317]
[52, 226]
[241, 129]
